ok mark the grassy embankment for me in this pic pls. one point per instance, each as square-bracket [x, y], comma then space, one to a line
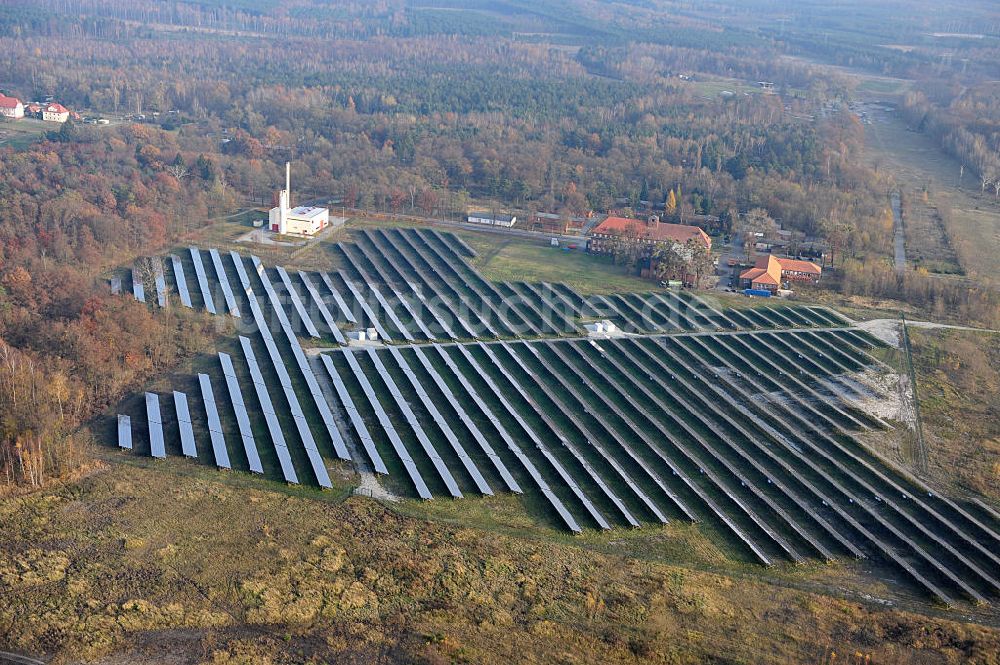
[143, 562]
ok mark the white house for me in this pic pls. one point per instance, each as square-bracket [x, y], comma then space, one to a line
[492, 219]
[300, 221]
[55, 112]
[11, 107]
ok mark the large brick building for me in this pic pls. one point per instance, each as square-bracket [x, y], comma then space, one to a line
[770, 272]
[601, 240]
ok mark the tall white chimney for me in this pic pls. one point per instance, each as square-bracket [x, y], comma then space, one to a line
[288, 182]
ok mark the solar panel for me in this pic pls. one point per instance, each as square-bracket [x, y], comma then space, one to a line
[227, 291]
[737, 424]
[683, 318]
[184, 424]
[390, 431]
[372, 318]
[528, 465]
[468, 251]
[539, 445]
[477, 283]
[477, 287]
[419, 252]
[413, 262]
[182, 288]
[273, 426]
[156, 446]
[315, 391]
[484, 444]
[214, 424]
[644, 433]
[161, 282]
[124, 432]
[116, 285]
[440, 421]
[138, 291]
[677, 404]
[810, 459]
[548, 305]
[376, 262]
[297, 303]
[199, 271]
[517, 298]
[777, 351]
[700, 307]
[324, 311]
[571, 308]
[589, 437]
[418, 430]
[412, 267]
[355, 417]
[344, 309]
[239, 408]
[241, 270]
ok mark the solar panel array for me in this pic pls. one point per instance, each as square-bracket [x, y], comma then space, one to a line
[215, 432]
[438, 419]
[357, 421]
[227, 290]
[270, 416]
[182, 289]
[199, 271]
[341, 303]
[366, 308]
[124, 432]
[389, 429]
[240, 409]
[157, 447]
[664, 427]
[184, 423]
[319, 399]
[300, 308]
[745, 419]
[324, 311]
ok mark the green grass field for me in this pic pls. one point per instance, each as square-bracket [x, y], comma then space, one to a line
[503, 259]
[21, 133]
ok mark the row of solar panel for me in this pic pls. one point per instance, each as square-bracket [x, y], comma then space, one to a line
[185, 427]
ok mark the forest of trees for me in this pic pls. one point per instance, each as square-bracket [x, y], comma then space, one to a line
[68, 349]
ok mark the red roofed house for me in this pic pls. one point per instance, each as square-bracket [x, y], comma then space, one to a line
[770, 272]
[55, 112]
[652, 233]
[11, 107]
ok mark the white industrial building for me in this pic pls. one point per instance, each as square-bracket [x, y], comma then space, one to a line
[300, 221]
[492, 219]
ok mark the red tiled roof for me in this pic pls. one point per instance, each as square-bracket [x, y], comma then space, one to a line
[768, 269]
[679, 233]
[9, 102]
[56, 108]
[800, 266]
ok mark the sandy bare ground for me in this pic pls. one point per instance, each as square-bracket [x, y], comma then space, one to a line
[369, 484]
